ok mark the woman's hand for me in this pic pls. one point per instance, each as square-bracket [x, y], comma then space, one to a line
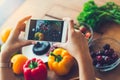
[76, 43]
[77, 46]
[14, 43]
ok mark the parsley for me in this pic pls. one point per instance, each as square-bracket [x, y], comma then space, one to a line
[94, 15]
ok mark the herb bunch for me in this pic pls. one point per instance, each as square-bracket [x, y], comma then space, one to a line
[94, 15]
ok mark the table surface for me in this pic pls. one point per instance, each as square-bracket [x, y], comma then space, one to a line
[57, 9]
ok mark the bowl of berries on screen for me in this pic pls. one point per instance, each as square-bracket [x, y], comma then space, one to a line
[86, 30]
[105, 53]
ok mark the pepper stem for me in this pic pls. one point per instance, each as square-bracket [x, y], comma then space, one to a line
[33, 65]
[58, 58]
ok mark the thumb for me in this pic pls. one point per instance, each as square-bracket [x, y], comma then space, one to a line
[27, 42]
[61, 45]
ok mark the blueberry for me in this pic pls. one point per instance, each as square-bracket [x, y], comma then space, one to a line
[111, 51]
[106, 47]
[114, 57]
[101, 52]
[94, 62]
[98, 53]
[98, 65]
[110, 62]
[103, 57]
[91, 48]
[107, 59]
[93, 54]
[106, 52]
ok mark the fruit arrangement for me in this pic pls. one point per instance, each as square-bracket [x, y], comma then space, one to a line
[104, 57]
[87, 31]
[105, 53]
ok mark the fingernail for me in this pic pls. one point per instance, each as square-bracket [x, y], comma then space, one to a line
[71, 21]
[34, 42]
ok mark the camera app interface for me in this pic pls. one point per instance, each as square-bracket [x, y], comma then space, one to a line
[46, 30]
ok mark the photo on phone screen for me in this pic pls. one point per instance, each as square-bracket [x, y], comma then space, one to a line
[46, 30]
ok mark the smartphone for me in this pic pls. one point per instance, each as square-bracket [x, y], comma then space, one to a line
[46, 30]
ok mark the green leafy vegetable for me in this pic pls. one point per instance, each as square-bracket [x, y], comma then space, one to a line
[95, 15]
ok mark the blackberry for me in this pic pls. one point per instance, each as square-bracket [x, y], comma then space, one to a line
[106, 47]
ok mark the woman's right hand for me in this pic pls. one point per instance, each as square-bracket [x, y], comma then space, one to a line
[76, 43]
[77, 46]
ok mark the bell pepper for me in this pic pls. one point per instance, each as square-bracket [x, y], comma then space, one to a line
[60, 61]
[35, 69]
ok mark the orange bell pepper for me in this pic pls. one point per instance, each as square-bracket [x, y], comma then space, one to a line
[60, 61]
[18, 61]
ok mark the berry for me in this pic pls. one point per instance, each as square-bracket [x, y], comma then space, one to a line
[106, 52]
[110, 61]
[111, 51]
[107, 59]
[99, 58]
[83, 29]
[94, 62]
[91, 48]
[98, 65]
[106, 47]
[93, 54]
[101, 52]
[114, 56]
[87, 35]
[104, 57]
[98, 53]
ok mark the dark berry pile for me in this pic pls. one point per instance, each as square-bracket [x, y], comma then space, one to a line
[104, 57]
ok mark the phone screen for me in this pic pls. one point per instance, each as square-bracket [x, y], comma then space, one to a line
[46, 30]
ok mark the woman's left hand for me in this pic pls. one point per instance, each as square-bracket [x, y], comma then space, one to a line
[14, 43]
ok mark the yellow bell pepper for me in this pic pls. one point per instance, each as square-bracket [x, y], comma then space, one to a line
[60, 61]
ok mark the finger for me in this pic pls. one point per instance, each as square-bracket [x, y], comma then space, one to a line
[24, 19]
[27, 42]
[70, 24]
[61, 45]
[23, 27]
[16, 32]
[20, 27]
[22, 22]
